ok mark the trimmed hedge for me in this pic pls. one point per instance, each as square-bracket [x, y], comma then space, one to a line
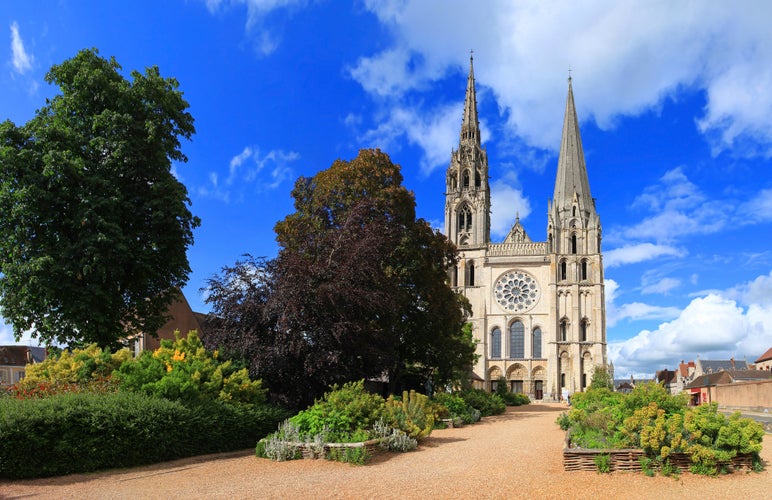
[84, 432]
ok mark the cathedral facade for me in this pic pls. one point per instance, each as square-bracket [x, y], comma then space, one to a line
[538, 308]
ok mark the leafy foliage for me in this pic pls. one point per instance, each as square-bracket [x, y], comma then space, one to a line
[510, 398]
[603, 463]
[380, 300]
[660, 424]
[184, 370]
[341, 412]
[601, 378]
[487, 404]
[455, 408]
[77, 366]
[411, 414]
[95, 227]
[119, 430]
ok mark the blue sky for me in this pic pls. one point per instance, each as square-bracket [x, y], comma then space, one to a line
[674, 100]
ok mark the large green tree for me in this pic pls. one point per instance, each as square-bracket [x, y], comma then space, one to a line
[94, 227]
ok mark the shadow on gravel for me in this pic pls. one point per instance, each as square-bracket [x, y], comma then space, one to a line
[435, 441]
[132, 473]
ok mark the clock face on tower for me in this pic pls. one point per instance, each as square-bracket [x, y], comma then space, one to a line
[516, 291]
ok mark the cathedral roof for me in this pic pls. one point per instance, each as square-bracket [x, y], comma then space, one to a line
[572, 171]
[517, 234]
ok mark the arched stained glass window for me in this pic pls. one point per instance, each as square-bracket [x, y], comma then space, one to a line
[517, 340]
[496, 343]
[536, 343]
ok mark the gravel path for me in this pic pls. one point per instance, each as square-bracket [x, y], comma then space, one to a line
[517, 454]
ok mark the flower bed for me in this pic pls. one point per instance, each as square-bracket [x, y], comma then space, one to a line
[649, 430]
[575, 459]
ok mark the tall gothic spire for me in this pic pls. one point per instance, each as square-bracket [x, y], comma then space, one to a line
[470, 126]
[572, 171]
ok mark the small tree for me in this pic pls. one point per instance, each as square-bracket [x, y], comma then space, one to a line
[601, 378]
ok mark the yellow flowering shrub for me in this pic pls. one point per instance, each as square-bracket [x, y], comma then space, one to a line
[78, 366]
[185, 370]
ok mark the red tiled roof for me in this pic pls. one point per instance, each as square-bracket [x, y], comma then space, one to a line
[766, 356]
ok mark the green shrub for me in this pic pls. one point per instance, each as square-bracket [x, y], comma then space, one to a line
[184, 370]
[393, 439]
[341, 412]
[488, 404]
[563, 421]
[412, 414]
[118, 430]
[603, 463]
[646, 465]
[353, 455]
[457, 408]
[660, 424]
[515, 398]
[714, 438]
[78, 366]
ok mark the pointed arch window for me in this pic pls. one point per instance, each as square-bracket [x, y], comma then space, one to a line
[584, 270]
[453, 181]
[583, 330]
[517, 340]
[470, 273]
[563, 270]
[465, 218]
[496, 343]
[573, 244]
[466, 178]
[477, 179]
[536, 343]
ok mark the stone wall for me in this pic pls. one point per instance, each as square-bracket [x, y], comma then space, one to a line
[753, 396]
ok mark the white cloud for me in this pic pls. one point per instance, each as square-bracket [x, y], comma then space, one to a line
[633, 311]
[236, 162]
[639, 252]
[22, 61]
[266, 39]
[627, 59]
[507, 202]
[7, 338]
[249, 168]
[662, 285]
[712, 327]
[757, 209]
[434, 133]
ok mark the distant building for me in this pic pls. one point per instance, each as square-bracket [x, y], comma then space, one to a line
[764, 362]
[722, 387]
[14, 360]
[181, 318]
[703, 366]
[669, 380]
[624, 385]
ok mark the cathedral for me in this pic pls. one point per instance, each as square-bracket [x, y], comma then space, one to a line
[538, 308]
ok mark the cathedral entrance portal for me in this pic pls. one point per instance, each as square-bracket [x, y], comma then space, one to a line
[538, 389]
